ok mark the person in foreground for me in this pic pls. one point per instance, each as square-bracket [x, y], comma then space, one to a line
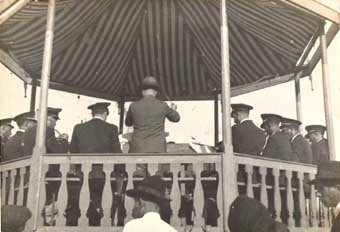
[149, 198]
[14, 218]
[327, 182]
[249, 215]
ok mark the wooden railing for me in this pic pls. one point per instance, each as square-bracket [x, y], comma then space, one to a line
[280, 185]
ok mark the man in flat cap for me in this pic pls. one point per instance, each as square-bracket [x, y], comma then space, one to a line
[327, 182]
[15, 145]
[300, 146]
[277, 144]
[249, 215]
[247, 137]
[53, 145]
[315, 133]
[149, 197]
[14, 218]
[94, 136]
[5, 132]
[147, 116]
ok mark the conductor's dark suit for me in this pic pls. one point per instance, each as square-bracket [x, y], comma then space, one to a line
[248, 138]
[94, 136]
[14, 147]
[320, 151]
[302, 149]
[336, 224]
[278, 147]
[147, 116]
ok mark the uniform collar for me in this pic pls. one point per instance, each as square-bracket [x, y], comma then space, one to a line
[98, 117]
[21, 130]
[152, 215]
[337, 210]
[243, 120]
[294, 137]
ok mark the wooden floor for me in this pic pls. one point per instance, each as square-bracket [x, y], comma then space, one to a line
[180, 229]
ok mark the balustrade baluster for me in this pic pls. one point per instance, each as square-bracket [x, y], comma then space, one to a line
[313, 202]
[277, 197]
[290, 201]
[219, 194]
[12, 176]
[5, 189]
[263, 194]
[107, 195]
[42, 194]
[175, 195]
[249, 170]
[198, 195]
[20, 199]
[62, 197]
[84, 200]
[302, 201]
[129, 202]
[152, 168]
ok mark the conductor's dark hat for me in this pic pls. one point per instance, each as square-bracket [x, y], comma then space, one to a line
[6, 121]
[21, 118]
[151, 188]
[270, 118]
[328, 172]
[315, 128]
[99, 107]
[240, 107]
[288, 122]
[13, 217]
[150, 83]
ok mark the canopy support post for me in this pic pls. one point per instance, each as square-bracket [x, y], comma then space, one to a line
[327, 92]
[121, 114]
[216, 126]
[40, 149]
[33, 94]
[229, 186]
[298, 96]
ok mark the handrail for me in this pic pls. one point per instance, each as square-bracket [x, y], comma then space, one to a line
[15, 163]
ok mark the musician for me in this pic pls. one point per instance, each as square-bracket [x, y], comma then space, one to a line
[15, 145]
[5, 132]
[319, 143]
[147, 116]
[94, 136]
[53, 145]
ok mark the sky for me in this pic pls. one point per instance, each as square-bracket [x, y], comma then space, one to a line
[196, 117]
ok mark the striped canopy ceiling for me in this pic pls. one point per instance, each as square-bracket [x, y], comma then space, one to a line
[109, 46]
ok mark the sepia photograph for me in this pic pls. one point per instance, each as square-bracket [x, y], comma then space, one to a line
[170, 115]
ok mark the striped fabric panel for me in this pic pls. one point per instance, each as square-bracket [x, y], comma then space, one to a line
[109, 46]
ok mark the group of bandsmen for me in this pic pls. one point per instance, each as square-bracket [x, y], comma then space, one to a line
[280, 139]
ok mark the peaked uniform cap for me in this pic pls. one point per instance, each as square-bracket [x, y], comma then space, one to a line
[240, 107]
[152, 187]
[286, 122]
[100, 107]
[150, 83]
[270, 117]
[14, 217]
[54, 112]
[19, 119]
[6, 121]
[315, 128]
[327, 171]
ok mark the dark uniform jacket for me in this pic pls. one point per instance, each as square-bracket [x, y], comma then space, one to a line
[248, 215]
[336, 224]
[14, 147]
[248, 138]
[53, 145]
[95, 136]
[3, 143]
[147, 116]
[320, 151]
[278, 147]
[302, 149]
